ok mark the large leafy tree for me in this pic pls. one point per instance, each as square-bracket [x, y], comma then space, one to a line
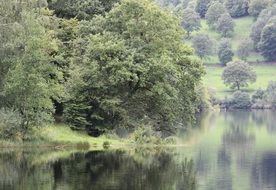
[202, 7]
[261, 22]
[256, 7]
[135, 68]
[238, 74]
[225, 52]
[190, 21]
[203, 45]
[214, 12]
[30, 80]
[225, 25]
[267, 44]
[81, 9]
[237, 8]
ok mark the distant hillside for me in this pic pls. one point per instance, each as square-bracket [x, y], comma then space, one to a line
[242, 31]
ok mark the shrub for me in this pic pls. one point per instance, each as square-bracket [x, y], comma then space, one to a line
[258, 95]
[271, 93]
[240, 100]
[146, 135]
[10, 124]
[83, 145]
[106, 144]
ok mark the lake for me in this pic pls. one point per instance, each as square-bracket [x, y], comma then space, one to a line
[224, 151]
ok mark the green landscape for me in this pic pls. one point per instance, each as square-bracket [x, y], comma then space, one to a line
[147, 94]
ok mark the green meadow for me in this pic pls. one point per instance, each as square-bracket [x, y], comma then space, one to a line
[212, 79]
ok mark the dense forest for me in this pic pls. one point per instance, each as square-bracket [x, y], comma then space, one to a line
[95, 65]
[101, 64]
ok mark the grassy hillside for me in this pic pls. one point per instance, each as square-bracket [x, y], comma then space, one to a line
[212, 79]
[242, 30]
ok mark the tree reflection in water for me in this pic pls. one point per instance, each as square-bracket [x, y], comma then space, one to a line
[98, 170]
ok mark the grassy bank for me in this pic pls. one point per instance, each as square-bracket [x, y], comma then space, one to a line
[61, 136]
[212, 79]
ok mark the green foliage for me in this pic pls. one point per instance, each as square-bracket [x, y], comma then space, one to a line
[225, 25]
[259, 95]
[225, 52]
[202, 7]
[135, 59]
[81, 9]
[146, 135]
[267, 44]
[204, 101]
[202, 45]
[190, 21]
[256, 7]
[238, 74]
[240, 100]
[237, 8]
[106, 144]
[271, 92]
[245, 48]
[261, 22]
[32, 81]
[10, 124]
[214, 12]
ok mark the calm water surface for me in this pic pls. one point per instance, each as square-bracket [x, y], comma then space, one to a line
[229, 151]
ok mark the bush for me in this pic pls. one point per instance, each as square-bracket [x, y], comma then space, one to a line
[146, 135]
[83, 145]
[10, 124]
[240, 100]
[258, 95]
[106, 144]
[271, 93]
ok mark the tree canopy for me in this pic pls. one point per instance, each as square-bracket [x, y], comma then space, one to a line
[136, 58]
[238, 74]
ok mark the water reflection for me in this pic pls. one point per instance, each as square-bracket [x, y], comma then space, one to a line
[97, 170]
[230, 150]
[234, 150]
